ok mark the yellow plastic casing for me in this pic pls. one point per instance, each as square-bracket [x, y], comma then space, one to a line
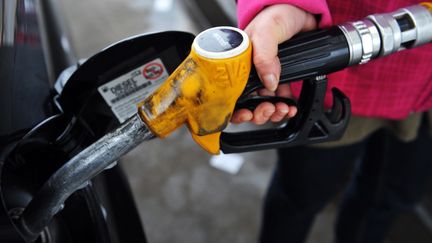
[200, 93]
[428, 5]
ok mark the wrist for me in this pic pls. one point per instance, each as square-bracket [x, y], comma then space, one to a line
[247, 10]
[281, 22]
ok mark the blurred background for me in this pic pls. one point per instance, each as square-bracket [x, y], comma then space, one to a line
[182, 193]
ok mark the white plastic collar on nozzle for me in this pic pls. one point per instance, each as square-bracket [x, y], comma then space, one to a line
[226, 54]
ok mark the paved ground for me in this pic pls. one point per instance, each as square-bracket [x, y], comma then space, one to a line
[180, 196]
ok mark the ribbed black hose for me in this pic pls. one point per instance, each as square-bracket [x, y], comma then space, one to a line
[77, 172]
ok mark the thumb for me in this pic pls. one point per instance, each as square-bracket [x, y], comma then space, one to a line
[272, 26]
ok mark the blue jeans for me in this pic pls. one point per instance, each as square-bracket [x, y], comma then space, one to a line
[387, 177]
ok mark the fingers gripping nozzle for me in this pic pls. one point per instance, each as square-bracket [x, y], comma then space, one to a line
[312, 124]
[203, 90]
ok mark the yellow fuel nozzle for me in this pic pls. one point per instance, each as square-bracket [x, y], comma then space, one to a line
[203, 90]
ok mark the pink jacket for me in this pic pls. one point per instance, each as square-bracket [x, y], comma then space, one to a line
[247, 9]
[390, 87]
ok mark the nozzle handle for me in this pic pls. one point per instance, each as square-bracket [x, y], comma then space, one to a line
[307, 55]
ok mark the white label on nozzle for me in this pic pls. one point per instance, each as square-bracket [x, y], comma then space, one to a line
[125, 92]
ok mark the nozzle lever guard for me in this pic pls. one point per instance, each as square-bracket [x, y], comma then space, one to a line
[312, 124]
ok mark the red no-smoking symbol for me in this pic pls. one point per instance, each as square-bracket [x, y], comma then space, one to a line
[153, 70]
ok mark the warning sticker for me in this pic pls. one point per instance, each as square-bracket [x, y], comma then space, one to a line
[123, 93]
[153, 70]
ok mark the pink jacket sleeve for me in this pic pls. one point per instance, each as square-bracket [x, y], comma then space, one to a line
[247, 9]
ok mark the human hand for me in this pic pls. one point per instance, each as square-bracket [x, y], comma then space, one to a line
[272, 26]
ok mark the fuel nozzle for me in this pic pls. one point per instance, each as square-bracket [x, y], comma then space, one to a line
[203, 90]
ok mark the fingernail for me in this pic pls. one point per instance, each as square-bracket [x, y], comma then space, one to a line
[270, 82]
[243, 119]
[267, 113]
